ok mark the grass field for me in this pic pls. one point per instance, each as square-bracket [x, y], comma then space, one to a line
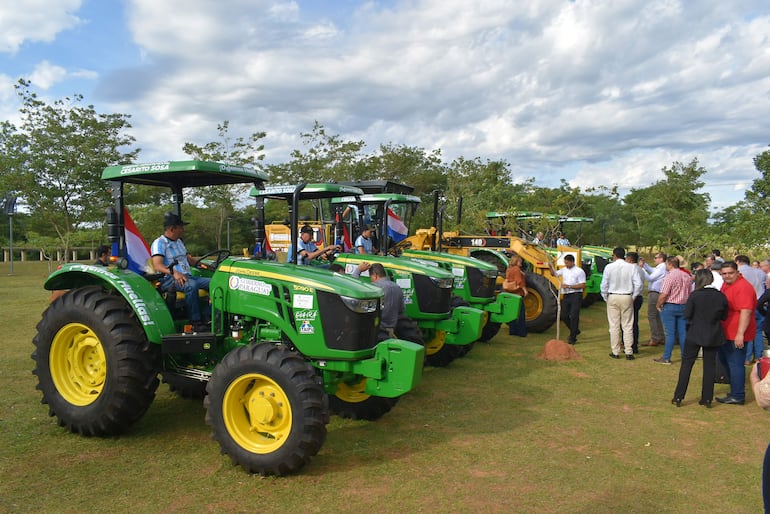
[496, 431]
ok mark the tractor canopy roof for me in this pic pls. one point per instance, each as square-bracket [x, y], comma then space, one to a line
[380, 186]
[377, 198]
[308, 192]
[179, 174]
[528, 215]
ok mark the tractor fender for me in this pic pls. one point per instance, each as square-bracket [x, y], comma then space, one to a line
[139, 293]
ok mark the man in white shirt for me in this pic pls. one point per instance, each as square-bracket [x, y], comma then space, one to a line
[655, 278]
[573, 281]
[620, 285]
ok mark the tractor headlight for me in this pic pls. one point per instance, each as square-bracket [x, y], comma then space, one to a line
[359, 305]
[442, 283]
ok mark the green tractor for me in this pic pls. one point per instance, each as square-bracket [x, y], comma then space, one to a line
[444, 327]
[283, 340]
[474, 279]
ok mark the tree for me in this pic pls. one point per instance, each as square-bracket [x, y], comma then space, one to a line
[746, 222]
[53, 161]
[328, 157]
[671, 213]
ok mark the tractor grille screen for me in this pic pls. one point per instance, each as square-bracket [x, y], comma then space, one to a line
[430, 297]
[481, 286]
[343, 328]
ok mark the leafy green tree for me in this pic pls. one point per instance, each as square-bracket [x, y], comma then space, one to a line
[327, 157]
[671, 213]
[54, 159]
[745, 223]
[415, 167]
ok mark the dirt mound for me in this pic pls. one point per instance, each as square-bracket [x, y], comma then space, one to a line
[557, 350]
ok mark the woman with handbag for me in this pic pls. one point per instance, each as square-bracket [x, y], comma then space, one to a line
[516, 283]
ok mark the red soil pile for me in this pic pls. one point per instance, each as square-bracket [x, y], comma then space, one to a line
[557, 350]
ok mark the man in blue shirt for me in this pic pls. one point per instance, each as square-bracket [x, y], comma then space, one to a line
[307, 249]
[363, 243]
[170, 257]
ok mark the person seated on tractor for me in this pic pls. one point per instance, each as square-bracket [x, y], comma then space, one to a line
[307, 249]
[103, 256]
[170, 257]
[364, 241]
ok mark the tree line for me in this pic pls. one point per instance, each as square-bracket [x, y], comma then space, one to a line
[53, 159]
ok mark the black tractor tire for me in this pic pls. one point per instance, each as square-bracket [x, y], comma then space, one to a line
[267, 409]
[96, 369]
[185, 387]
[540, 304]
[351, 402]
[493, 260]
[489, 331]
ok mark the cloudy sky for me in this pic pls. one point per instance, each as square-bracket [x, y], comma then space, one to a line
[602, 92]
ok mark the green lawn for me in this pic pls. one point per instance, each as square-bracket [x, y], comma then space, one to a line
[496, 431]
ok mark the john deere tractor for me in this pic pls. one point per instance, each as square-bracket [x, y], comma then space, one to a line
[282, 340]
[474, 280]
[444, 327]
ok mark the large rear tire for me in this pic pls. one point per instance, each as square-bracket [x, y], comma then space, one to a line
[96, 369]
[540, 304]
[267, 409]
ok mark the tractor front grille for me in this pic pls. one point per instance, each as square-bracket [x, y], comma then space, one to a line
[344, 329]
[480, 284]
[430, 297]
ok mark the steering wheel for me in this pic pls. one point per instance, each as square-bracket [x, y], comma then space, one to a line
[221, 255]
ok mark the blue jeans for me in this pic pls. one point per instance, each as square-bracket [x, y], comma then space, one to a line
[733, 358]
[754, 348]
[674, 324]
[190, 290]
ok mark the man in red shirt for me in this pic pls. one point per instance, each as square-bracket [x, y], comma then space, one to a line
[740, 326]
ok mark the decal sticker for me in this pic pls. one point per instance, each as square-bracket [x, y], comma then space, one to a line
[248, 285]
[458, 272]
[306, 315]
[303, 301]
[306, 328]
[404, 283]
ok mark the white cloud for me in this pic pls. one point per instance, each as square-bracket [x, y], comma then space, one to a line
[597, 92]
[34, 20]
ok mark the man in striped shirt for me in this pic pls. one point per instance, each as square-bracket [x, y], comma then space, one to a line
[674, 293]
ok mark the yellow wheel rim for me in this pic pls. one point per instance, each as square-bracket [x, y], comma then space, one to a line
[437, 343]
[533, 305]
[257, 413]
[352, 393]
[77, 364]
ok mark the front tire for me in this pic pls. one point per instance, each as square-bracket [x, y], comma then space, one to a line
[540, 304]
[351, 402]
[267, 409]
[96, 369]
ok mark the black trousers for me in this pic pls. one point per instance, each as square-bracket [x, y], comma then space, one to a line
[689, 356]
[570, 313]
[638, 301]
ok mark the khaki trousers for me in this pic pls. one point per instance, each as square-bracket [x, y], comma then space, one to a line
[620, 315]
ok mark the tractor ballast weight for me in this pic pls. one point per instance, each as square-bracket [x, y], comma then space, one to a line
[283, 338]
